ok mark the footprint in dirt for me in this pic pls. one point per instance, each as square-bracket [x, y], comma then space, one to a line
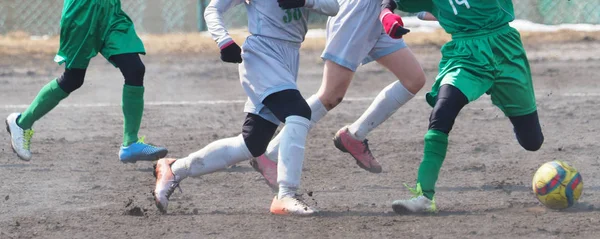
[136, 211]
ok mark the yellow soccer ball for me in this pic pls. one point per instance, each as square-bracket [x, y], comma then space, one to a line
[557, 185]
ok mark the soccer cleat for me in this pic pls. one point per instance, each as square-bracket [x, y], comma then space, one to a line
[166, 182]
[20, 139]
[140, 151]
[358, 149]
[417, 204]
[291, 206]
[268, 169]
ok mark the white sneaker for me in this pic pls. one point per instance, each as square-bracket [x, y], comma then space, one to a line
[291, 206]
[419, 204]
[20, 139]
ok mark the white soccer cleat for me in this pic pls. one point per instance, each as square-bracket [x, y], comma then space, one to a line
[417, 204]
[166, 183]
[20, 139]
[291, 206]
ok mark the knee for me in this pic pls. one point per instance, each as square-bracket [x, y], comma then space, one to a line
[449, 103]
[331, 99]
[287, 103]
[255, 144]
[302, 109]
[132, 67]
[528, 131]
[134, 74]
[530, 141]
[257, 132]
[297, 107]
[415, 82]
[138, 70]
[71, 80]
[532, 145]
[442, 117]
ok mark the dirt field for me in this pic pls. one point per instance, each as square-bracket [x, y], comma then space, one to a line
[75, 187]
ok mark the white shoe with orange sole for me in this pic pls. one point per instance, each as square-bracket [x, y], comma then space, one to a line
[291, 206]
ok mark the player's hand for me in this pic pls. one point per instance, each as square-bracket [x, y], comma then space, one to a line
[392, 24]
[231, 52]
[289, 4]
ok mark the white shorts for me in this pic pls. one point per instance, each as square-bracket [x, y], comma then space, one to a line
[356, 36]
[268, 66]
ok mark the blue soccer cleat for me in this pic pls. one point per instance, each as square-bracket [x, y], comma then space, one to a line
[141, 151]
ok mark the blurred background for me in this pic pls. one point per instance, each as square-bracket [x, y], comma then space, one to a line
[42, 17]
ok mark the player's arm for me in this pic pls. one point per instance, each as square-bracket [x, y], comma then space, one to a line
[425, 16]
[213, 16]
[326, 7]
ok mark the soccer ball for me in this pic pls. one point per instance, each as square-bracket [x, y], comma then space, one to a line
[557, 185]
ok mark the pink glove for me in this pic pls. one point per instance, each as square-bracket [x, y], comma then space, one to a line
[392, 24]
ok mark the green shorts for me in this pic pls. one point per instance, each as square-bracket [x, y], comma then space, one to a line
[492, 62]
[92, 26]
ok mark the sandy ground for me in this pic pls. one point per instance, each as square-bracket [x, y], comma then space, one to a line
[75, 187]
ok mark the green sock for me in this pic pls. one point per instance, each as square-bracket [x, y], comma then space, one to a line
[436, 144]
[48, 98]
[133, 109]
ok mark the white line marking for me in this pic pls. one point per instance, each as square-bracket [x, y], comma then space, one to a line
[226, 102]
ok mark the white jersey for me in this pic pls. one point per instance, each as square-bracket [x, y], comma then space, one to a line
[266, 18]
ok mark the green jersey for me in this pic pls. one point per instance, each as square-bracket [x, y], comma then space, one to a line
[462, 16]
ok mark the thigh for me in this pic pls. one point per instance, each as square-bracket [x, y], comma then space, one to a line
[406, 68]
[120, 37]
[267, 67]
[513, 91]
[352, 33]
[79, 41]
[384, 46]
[465, 68]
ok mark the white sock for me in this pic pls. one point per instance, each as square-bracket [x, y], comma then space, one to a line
[318, 112]
[215, 156]
[291, 155]
[385, 104]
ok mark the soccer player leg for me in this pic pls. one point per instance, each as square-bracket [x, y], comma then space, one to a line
[450, 101]
[216, 156]
[223, 153]
[122, 47]
[318, 111]
[513, 91]
[20, 125]
[290, 107]
[463, 78]
[76, 49]
[528, 131]
[266, 163]
[396, 57]
[346, 47]
[411, 79]
[134, 149]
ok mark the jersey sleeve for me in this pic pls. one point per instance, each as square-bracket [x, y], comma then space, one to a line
[213, 15]
[326, 7]
[414, 6]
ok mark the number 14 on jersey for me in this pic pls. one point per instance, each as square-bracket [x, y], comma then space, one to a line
[459, 2]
